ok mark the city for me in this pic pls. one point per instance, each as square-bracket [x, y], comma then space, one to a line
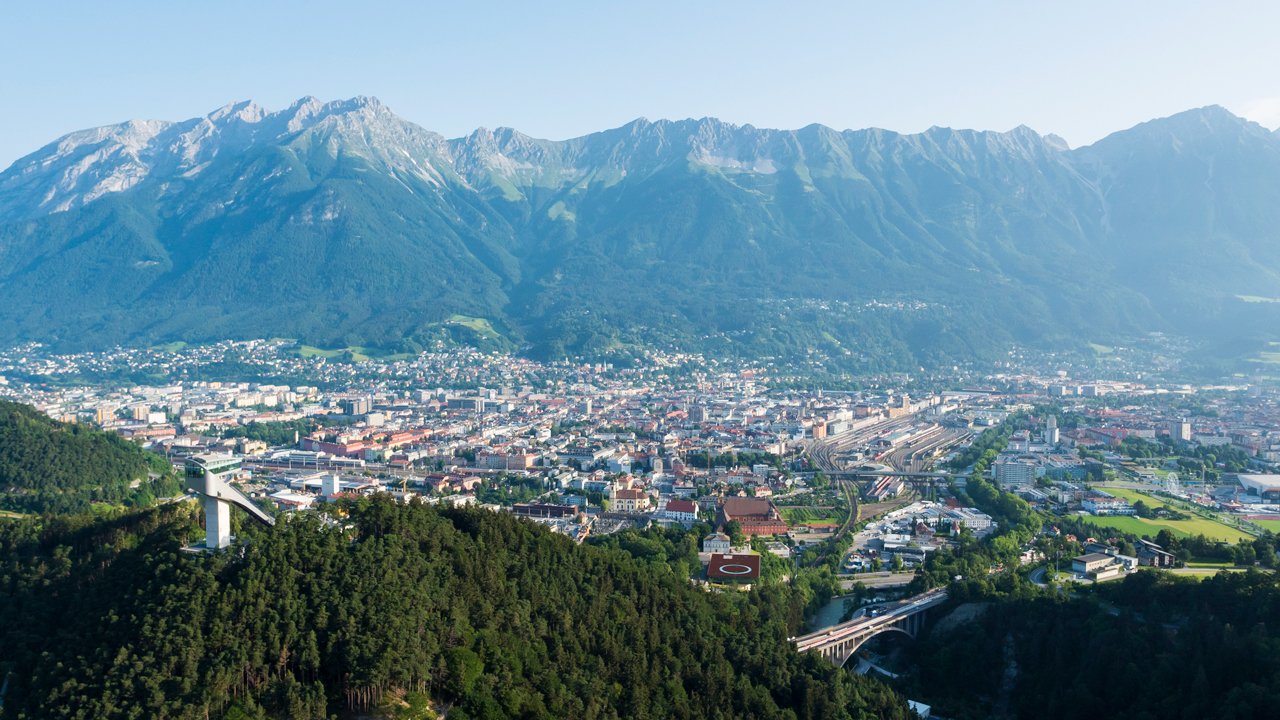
[875, 486]
[586, 448]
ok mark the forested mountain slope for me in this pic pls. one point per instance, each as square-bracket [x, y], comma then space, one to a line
[481, 612]
[1152, 646]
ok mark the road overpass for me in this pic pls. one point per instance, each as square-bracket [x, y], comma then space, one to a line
[839, 642]
[874, 580]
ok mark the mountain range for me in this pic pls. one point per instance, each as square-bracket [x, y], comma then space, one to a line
[341, 224]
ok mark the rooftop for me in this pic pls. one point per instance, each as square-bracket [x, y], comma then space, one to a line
[1092, 557]
[1261, 481]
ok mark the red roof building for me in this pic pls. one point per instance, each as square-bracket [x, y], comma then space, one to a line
[734, 567]
[682, 510]
[755, 516]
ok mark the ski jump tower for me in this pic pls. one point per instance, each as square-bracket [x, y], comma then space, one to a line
[209, 477]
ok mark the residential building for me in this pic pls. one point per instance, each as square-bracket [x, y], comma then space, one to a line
[716, 543]
[1106, 505]
[1180, 430]
[978, 522]
[1152, 555]
[681, 510]
[1016, 471]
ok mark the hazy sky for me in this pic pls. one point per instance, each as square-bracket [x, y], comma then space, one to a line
[558, 69]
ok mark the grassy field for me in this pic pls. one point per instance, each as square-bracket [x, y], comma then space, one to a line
[1268, 357]
[1181, 528]
[1194, 526]
[811, 515]
[1203, 572]
[1272, 525]
[1134, 496]
[480, 326]
[357, 352]
[172, 347]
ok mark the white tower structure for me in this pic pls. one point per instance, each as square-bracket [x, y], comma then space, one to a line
[331, 485]
[1051, 430]
[208, 476]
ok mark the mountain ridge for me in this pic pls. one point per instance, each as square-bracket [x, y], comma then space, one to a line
[342, 223]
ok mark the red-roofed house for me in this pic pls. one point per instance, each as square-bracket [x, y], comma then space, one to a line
[681, 510]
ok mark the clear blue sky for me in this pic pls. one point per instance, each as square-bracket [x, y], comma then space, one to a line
[558, 69]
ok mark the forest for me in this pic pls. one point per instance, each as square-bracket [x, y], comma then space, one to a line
[48, 466]
[393, 610]
[1152, 646]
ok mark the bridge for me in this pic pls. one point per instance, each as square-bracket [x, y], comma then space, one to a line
[838, 643]
[886, 473]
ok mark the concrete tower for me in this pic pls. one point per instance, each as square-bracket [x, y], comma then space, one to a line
[331, 485]
[209, 477]
[1051, 430]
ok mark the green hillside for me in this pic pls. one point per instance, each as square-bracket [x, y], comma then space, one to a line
[478, 612]
[48, 466]
[1151, 646]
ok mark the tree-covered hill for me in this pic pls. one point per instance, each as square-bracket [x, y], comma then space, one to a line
[344, 225]
[402, 608]
[1151, 647]
[49, 466]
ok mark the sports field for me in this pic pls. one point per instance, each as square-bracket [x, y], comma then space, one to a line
[1181, 528]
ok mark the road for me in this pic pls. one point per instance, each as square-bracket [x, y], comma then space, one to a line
[877, 580]
[1037, 576]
